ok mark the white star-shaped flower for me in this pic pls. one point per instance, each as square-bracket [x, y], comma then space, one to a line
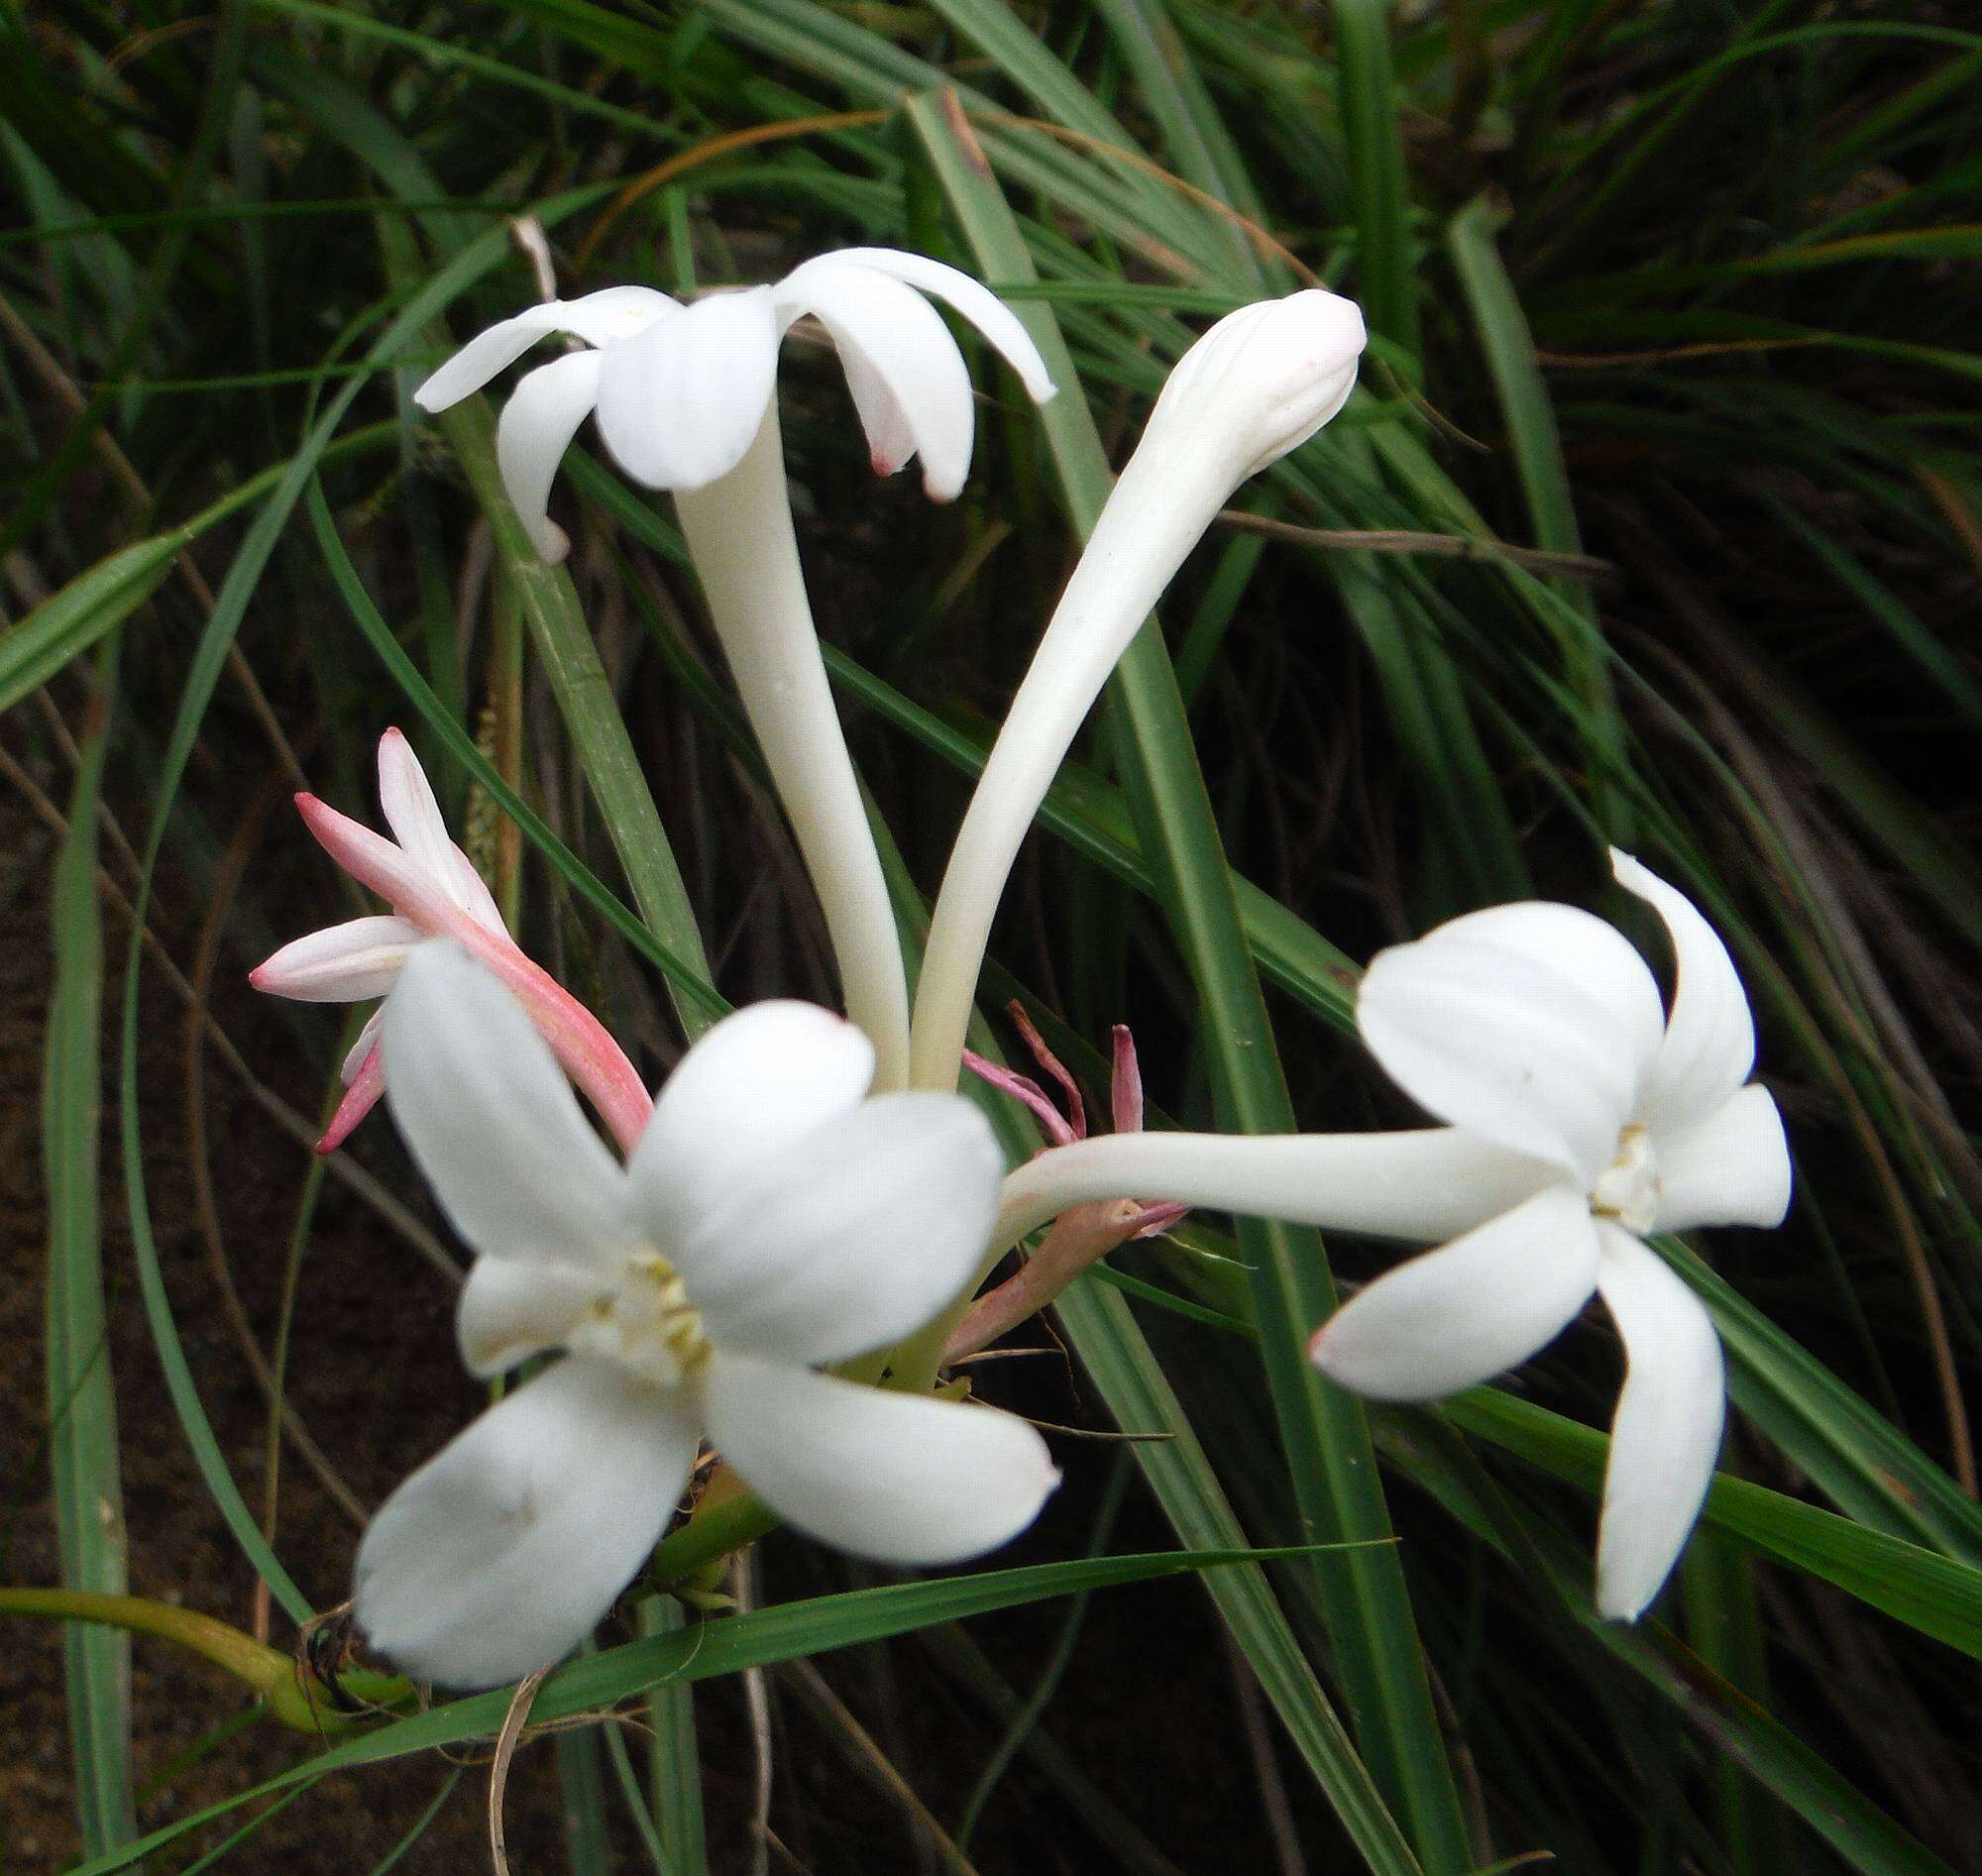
[1539, 1032]
[680, 391]
[769, 1220]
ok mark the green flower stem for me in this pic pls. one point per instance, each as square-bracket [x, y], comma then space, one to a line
[289, 1692]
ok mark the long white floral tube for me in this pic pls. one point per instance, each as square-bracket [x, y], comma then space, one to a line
[740, 534]
[1423, 1185]
[1260, 383]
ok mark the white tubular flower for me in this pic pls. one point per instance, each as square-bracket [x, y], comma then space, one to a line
[680, 391]
[1583, 1117]
[434, 892]
[1257, 385]
[686, 400]
[770, 1219]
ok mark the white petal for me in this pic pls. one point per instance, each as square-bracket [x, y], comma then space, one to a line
[368, 1039]
[537, 427]
[1469, 1310]
[486, 354]
[501, 1553]
[903, 367]
[975, 302]
[680, 402]
[342, 964]
[1532, 1025]
[1710, 1039]
[511, 1309]
[601, 318]
[852, 1235]
[614, 313]
[412, 811]
[491, 1119]
[899, 1478]
[759, 1080]
[1732, 1168]
[1667, 1431]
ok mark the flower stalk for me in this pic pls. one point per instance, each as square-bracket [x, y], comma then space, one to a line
[289, 1692]
[745, 551]
[1259, 383]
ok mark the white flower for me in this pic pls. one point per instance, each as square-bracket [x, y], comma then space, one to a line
[1259, 383]
[681, 390]
[434, 892]
[1537, 1030]
[768, 1220]
[1581, 1118]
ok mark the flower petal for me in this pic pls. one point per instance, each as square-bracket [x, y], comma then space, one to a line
[680, 402]
[1732, 1168]
[1709, 1040]
[411, 809]
[511, 1309]
[852, 1237]
[908, 379]
[759, 1080]
[361, 1051]
[614, 313]
[1469, 1310]
[977, 302]
[537, 427]
[501, 1553]
[343, 963]
[486, 354]
[1531, 1024]
[491, 1119]
[374, 861]
[899, 1478]
[1667, 1431]
[601, 318]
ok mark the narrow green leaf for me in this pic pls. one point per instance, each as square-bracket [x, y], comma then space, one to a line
[595, 1682]
[82, 1400]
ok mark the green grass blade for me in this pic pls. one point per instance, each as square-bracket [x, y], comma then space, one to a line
[674, 1764]
[1386, 267]
[759, 1639]
[1509, 346]
[1323, 1430]
[81, 1399]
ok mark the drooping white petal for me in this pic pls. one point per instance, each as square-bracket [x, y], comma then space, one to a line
[601, 318]
[490, 1117]
[487, 353]
[1710, 1039]
[512, 1308]
[1469, 1310]
[680, 402]
[977, 302]
[906, 377]
[1732, 1168]
[342, 964]
[759, 1080]
[899, 1478]
[1667, 1431]
[501, 1553]
[1532, 1025]
[537, 427]
[850, 1237]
